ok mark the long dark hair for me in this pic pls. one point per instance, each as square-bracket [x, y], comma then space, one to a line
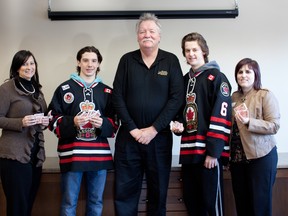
[252, 64]
[18, 60]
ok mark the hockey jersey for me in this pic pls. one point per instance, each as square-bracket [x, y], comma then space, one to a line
[206, 115]
[85, 148]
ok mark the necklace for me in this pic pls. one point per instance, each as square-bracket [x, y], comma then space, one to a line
[30, 92]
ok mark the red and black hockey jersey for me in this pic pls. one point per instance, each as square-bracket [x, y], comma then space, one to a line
[206, 116]
[86, 148]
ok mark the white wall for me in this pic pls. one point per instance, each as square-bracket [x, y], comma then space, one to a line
[258, 32]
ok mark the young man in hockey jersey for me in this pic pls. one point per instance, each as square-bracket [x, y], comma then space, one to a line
[205, 128]
[82, 120]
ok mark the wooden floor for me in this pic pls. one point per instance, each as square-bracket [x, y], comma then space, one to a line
[48, 199]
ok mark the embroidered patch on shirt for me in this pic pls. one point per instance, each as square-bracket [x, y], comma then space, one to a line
[224, 88]
[68, 98]
[107, 90]
[65, 87]
[211, 77]
[163, 73]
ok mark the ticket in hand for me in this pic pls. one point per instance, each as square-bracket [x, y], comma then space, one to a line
[93, 113]
[242, 110]
[38, 117]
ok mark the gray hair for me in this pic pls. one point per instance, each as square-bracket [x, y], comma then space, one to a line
[148, 17]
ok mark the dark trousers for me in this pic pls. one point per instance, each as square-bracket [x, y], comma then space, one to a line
[253, 184]
[132, 161]
[20, 184]
[203, 189]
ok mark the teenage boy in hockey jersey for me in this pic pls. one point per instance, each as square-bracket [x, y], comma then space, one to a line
[205, 128]
[82, 120]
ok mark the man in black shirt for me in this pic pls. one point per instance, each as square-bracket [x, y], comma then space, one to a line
[148, 92]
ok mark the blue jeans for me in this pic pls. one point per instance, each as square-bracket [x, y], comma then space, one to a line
[71, 184]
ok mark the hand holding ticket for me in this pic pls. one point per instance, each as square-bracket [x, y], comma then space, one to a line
[176, 127]
[242, 113]
[41, 119]
[88, 116]
[242, 110]
[38, 117]
[93, 113]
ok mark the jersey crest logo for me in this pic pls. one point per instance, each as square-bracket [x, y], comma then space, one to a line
[191, 113]
[224, 88]
[86, 106]
[68, 98]
[86, 132]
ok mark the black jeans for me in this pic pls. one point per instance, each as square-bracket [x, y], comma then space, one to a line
[253, 184]
[132, 160]
[20, 184]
